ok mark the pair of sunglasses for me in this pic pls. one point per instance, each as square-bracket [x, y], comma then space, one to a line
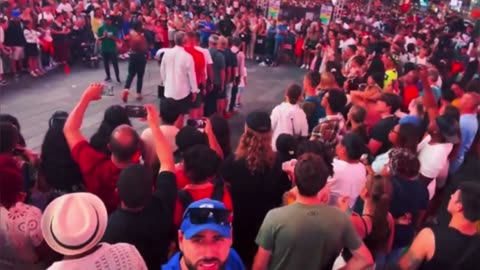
[204, 215]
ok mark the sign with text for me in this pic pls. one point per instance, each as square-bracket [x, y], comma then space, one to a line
[326, 14]
[273, 8]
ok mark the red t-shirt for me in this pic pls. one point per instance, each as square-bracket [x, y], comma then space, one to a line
[410, 92]
[203, 192]
[100, 175]
[182, 179]
[199, 61]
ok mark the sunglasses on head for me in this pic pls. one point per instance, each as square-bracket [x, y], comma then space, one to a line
[204, 215]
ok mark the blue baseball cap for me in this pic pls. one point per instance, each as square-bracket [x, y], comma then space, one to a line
[410, 119]
[16, 13]
[190, 229]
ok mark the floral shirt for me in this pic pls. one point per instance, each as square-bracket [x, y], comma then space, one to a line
[20, 233]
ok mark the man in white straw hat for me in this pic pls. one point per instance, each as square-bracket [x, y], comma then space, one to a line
[73, 225]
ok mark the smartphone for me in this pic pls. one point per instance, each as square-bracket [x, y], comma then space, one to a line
[108, 91]
[197, 123]
[136, 111]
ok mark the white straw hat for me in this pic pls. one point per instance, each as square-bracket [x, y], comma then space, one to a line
[74, 223]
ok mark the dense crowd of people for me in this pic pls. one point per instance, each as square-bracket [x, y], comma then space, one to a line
[352, 170]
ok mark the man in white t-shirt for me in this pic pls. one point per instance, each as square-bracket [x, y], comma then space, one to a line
[443, 134]
[349, 173]
[64, 6]
[289, 117]
[74, 224]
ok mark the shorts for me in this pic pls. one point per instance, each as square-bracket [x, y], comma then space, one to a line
[219, 92]
[18, 53]
[199, 100]
[31, 50]
[184, 105]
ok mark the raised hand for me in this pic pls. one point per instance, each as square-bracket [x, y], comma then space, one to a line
[153, 118]
[93, 92]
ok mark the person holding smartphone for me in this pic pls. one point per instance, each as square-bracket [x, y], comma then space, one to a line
[107, 34]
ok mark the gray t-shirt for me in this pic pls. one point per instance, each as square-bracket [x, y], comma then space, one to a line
[306, 236]
[218, 64]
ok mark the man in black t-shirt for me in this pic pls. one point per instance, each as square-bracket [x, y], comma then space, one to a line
[145, 219]
[230, 72]
[387, 105]
[454, 247]
[226, 26]
[15, 39]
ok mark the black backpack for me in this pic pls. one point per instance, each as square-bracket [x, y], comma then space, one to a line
[217, 194]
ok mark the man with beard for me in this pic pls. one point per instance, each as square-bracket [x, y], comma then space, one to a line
[205, 239]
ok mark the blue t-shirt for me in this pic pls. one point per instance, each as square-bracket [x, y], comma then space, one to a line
[271, 32]
[281, 29]
[234, 262]
[318, 113]
[205, 34]
[468, 129]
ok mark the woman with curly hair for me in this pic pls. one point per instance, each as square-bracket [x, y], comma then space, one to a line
[256, 180]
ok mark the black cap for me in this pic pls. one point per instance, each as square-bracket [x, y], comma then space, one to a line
[259, 121]
[189, 136]
[449, 128]
[134, 186]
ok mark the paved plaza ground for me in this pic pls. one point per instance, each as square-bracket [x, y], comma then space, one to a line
[34, 100]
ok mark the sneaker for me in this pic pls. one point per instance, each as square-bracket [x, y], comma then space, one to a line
[39, 72]
[108, 79]
[33, 73]
[302, 67]
[119, 81]
[262, 64]
[139, 97]
[238, 105]
[125, 95]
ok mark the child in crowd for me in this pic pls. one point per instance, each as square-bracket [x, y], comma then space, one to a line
[241, 88]
[31, 49]
[46, 44]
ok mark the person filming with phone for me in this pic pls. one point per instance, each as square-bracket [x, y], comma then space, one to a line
[100, 172]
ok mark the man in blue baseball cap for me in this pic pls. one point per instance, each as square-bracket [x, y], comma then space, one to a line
[205, 239]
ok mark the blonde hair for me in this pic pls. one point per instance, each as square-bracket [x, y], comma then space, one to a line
[327, 81]
[256, 149]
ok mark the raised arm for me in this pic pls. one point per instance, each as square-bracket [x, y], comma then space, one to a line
[74, 120]
[162, 147]
[212, 140]
[428, 96]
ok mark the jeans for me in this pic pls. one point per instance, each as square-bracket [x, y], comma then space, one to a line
[228, 91]
[136, 66]
[276, 48]
[111, 57]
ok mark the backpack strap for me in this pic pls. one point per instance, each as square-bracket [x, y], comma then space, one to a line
[218, 189]
[185, 198]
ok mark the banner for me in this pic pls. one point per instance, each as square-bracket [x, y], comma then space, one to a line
[326, 14]
[273, 8]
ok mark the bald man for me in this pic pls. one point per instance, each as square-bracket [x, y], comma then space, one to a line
[100, 171]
